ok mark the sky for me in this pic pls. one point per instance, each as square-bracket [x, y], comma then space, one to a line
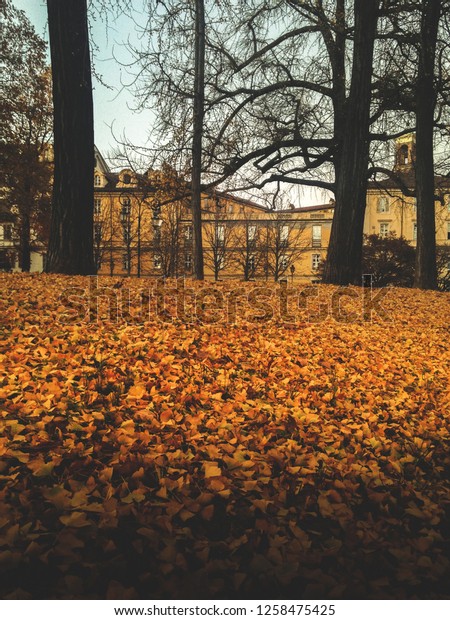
[114, 116]
[113, 103]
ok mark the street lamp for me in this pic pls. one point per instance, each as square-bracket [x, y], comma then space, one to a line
[125, 214]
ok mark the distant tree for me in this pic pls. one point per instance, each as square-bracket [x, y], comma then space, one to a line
[390, 260]
[171, 222]
[71, 237]
[283, 244]
[250, 247]
[443, 267]
[25, 129]
[220, 238]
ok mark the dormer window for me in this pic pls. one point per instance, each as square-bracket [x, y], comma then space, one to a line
[126, 179]
[97, 180]
[402, 157]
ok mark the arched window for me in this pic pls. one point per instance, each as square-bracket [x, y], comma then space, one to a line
[126, 178]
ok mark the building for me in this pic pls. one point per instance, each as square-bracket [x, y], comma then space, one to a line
[142, 226]
[390, 211]
[7, 250]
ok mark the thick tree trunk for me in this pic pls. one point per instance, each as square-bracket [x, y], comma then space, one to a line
[199, 97]
[343, 265]
[71, 237]
[426, 270]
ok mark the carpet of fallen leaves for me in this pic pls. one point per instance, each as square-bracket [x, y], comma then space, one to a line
[190, 459]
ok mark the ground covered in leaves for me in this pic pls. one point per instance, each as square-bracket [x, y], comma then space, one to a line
[222, 455]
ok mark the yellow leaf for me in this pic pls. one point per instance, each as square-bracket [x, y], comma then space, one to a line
[212, 470]
[75, 519]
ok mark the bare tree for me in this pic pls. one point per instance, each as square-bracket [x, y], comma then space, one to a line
[343, 264]
[220, 237]
[284, 243]
[250, 244]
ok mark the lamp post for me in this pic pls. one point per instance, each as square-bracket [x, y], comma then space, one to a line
[125, 216]
[292, 273]
[156, 223]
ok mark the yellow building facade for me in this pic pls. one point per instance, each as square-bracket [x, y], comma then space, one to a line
[389, 211]
[143, 225]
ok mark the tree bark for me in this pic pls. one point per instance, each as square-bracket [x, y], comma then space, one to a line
[198, 112]
[71, 236]
[426, 270]
[343, 264]
[25, 250]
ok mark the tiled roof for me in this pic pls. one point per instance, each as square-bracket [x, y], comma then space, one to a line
[408, 179]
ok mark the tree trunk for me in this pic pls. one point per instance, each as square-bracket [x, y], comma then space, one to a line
[71, 237]
[25, 251]
[199, 97]
[343, 265]
[426, 270]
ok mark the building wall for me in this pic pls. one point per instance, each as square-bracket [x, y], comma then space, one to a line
[388, 211]
[143, 227]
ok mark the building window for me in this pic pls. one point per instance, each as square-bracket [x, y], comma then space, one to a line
[126, 262]
[414, 231]
[126, 179]
[127, 234]
[251, 232]
[315, 261]
[316, 236]
[251, 263]
[402, 155]
[382, 204]
[188, 233]
[97, 233]
[384, 229]
[284, 233]
[188, 262]
[220, 233]
[97, 206]
[156, 261]
[97, 180]
[284, 262]
[448, 231]
[5, 232]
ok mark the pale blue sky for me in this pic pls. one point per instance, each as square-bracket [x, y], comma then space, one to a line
[112, 106]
